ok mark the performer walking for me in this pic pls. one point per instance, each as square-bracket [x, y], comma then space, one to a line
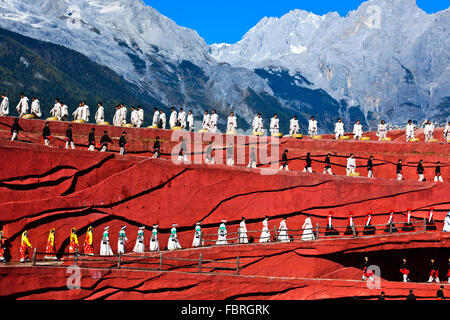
[105, 248]
[431, 226]
[438, 176]
[350, 226]
[284, 161]
[88, 242]
[367, 274]
[15, 128]
[157, 148]
[265, 234]
[447, 223]
[222, 234]
[390, 224]
[69, 138]
[447, 132]
[91, 140]
[339, 129]
[399, 170]
[73, 245]
[173, 243]
[139, 247]
[104, 141]
[4, 105]
[122, 240]
[327, 168]
[252, 159]
[2, 247]
[308, 165]
[351, 165]
[408, 226]
[370, 167]
[330, 230]
[46, 134]
[369, 229]
[190, 121]
[404, 269]
[22, 106]
[154, 242]
[123, 143]
[420, 171]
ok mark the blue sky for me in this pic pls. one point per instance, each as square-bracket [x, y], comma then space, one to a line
[228, 20]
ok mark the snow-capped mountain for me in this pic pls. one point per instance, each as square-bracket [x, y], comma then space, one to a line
[389, 56]
[381, 60]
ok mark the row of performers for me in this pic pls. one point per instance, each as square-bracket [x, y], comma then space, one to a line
[173, 244]
[405, 271]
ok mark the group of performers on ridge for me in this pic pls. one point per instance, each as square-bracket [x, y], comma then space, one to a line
[185, 121]
[309, 233]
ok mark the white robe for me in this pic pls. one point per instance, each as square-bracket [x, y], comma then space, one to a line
[85, 113]
[206, 121]
[197, 237]
[312, 127]
[308, 233]
[162, 117]
[447, 223]
[182, 119]
[339, 129]
[77, 113]
[173, 119]
[123, 115]
[173, 243]
[140, 120]
[22, 106]
[357, 131]
[447, 133]
[65, 112]
[36, 108]
[265, 234]
[428, 131]
[274, 125]
[56, 111]
[410, 131]
[213, 122]
[154, 242]
[232, 123]
[121, 243]
[116, 119]
[382, 131]
[134, 118]
[243, 233]
[100, 115]
[4, 107]
[139, 247]
[222, 235]
[257, 124]
[105, 248]
[155, 119]
[294, 126]
[283, 232]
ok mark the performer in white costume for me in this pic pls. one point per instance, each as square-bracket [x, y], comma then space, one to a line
[105, 248]
[265, 234]
[100, 114]
[232, 122]
[35, 107]
[198, 238]
[154, 243]
[428, 131]
[274, 124]
[4, 105]
[155, 117]
[410, 131]
[357, 130]
[213, 121]
[173, 118]
[230, 155]
[312, 127]
[85, 113]
[308, 233]
[382, 131]
[283, 231]
[257, 123]
[190, 121]
[22, 106]
[122, 114]
[122, 240]
[222, 234]
[206, 121]
[77, 113]
[339, 129]
[447, 223]
[162, 120]
[447, 132]
[134, 117]
[173, 243]
[351, 165]
[64, 112]
[243, 232]
[139, 247]
[294, 126]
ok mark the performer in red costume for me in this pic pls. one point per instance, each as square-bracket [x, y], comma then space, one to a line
[404, 269]
[431, 226]
[24, 245]
[50, 249]
[88, 247]
[73, 241]
[369, 229]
